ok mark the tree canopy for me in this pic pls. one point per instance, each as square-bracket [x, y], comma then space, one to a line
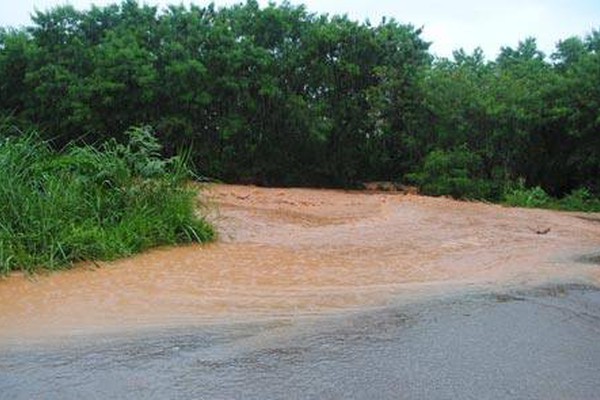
[281, 96]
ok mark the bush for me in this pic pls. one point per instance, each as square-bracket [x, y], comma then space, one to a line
[520, 196]
[452, 173]
[535, 197]
[580, 200]
[87, 203]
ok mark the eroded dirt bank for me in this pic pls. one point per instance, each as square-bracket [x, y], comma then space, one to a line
[300, 252]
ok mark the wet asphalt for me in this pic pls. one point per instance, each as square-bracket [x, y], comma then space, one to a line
[537, 344]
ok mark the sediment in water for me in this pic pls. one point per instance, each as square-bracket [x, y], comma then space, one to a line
[303, 252]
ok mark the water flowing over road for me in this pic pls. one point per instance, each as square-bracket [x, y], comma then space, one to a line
[322, 294]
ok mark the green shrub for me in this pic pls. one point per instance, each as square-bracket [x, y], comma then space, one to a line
[580, 200]
[452, 173]
[535, 197]
[87, 203]
[520, 196]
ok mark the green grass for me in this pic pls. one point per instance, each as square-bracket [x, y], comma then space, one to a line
[84, 203]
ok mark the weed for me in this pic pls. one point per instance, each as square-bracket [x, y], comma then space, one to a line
[89, 203]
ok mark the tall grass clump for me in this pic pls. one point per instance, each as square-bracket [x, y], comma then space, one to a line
[88, 203]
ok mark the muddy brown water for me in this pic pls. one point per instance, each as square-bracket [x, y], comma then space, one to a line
[320, 294]
[304, 253]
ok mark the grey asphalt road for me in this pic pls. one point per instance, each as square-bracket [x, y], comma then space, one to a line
[539, 344]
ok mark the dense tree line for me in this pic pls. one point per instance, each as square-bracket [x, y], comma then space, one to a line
[281, 96]
[520, 117]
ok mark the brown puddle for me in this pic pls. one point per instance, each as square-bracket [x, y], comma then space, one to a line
[301, 252]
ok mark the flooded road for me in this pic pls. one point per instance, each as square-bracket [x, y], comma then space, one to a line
[542, 344]
[305, 252]
[322, 294]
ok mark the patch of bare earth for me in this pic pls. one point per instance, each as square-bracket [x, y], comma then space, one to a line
[301, 252]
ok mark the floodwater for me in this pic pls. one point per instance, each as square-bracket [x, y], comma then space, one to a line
[322, 294]
[540, 344]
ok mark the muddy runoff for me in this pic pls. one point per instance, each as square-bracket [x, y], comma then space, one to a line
[300, 253]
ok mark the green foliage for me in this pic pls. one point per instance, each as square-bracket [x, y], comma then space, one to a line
[580, 200]
[281, 96]
[87, 203]
[521, 196]
[452, 173]
[272, 95]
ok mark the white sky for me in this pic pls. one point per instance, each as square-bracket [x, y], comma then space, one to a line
[448, 24]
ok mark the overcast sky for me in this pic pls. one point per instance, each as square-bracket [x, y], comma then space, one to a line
[448, 24]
